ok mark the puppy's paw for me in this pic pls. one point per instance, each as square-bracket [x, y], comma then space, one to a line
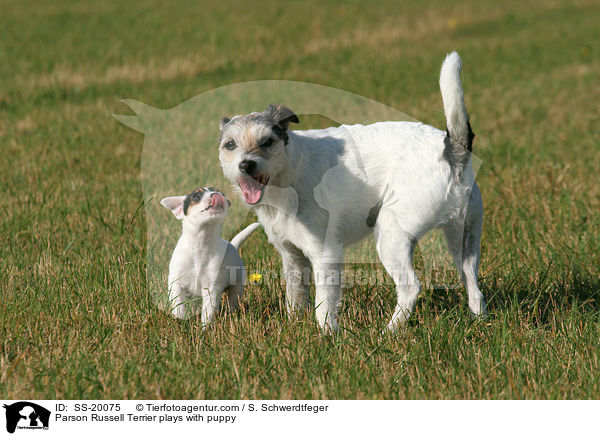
[179, 313]
[395, 326]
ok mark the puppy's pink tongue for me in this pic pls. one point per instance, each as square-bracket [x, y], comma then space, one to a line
[217, 200]
[251, 189]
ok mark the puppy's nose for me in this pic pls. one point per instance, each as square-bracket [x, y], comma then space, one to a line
[247, 166]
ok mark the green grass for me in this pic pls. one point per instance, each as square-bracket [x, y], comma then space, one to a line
[76, 317]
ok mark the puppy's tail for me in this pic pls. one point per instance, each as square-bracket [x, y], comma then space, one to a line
[243, 235]
[457, 120]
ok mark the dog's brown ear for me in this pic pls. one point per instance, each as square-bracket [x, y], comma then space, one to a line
[282, 115]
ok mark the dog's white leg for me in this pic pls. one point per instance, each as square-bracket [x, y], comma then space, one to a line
[327, 296]
[177, 299]
[296, 270]
[395, 249]
[463, 237]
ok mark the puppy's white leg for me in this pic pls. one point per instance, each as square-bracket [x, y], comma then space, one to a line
[463, 237]
[395, 249]
[210, 306]
[177, 298]
[296, 269]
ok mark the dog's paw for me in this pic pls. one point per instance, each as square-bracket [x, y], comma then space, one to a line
[330, 328]
[479, 316]
[478, 309]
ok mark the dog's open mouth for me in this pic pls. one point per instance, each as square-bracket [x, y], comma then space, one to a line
[253, 187]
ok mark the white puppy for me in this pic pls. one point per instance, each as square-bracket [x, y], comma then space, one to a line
[396, 179]
[203, 264]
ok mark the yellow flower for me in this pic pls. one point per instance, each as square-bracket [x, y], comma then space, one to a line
[255, 278]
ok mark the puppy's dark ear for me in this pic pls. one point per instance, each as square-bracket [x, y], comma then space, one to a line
[282, 115]
[228, 202]
[223, 122]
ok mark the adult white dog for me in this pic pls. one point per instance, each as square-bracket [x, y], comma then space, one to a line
[396, 179]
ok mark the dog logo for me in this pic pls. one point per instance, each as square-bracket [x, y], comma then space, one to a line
[26, 415]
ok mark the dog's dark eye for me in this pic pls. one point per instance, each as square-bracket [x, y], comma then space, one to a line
[267, 143]
[197, 197]
[230, 145]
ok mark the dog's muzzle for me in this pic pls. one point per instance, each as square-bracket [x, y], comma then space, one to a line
[251, 183]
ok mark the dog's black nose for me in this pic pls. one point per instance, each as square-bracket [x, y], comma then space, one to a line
[247, 166]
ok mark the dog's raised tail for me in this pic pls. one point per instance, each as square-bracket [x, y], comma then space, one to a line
[239, 239]
[457, 119]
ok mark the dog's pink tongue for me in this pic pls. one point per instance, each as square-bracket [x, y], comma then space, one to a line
[217, 200]
[251, 189]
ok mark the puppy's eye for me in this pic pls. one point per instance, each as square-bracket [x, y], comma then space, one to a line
[230, 145]
[267, 143]
[197, 197]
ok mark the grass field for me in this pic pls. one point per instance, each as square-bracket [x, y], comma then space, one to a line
[76, 317]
